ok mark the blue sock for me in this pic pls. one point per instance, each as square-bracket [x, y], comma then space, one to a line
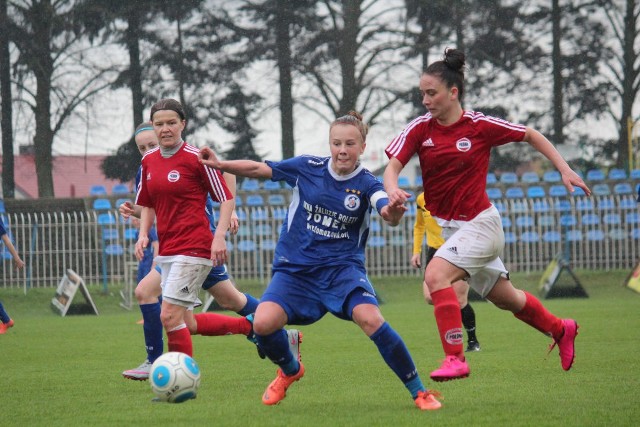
[4, 317]
[276, 348]
[396, 354]
[153, 338]
[250, 306]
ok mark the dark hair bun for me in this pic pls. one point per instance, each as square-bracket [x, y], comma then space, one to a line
[454, 59]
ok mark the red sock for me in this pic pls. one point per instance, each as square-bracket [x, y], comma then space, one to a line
[535, 314]
[213, 324]
[180, 340]
[449, 320]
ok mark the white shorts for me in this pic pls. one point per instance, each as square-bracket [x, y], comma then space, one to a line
[475, 247]
[182, 277]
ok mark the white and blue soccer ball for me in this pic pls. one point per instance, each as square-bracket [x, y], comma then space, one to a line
[175, 377]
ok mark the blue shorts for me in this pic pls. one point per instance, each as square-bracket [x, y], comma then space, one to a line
[308, 295]
[216, 275]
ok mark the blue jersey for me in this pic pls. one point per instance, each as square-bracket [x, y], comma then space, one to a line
[3, 230]
[327, 223]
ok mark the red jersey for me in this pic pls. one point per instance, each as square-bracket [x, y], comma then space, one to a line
[454, 160]
[177, 187]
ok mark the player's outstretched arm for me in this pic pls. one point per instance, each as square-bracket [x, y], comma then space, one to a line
[392, 214]
[247, 168]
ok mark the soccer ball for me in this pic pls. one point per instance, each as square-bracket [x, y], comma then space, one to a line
[175, 377]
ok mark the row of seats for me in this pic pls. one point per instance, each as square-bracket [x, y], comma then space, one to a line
[535, 191]
[570, 220]
[592, 175]
[101, 190]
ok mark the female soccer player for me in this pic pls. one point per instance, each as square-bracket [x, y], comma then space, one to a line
[454, 147]
[5, 321]
[318, 264]
[426, 224]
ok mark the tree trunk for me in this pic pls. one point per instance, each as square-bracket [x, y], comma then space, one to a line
[556, 60]
[6, 122]
[283, 52]
[347, 49]
[628, 92]
[135, 68]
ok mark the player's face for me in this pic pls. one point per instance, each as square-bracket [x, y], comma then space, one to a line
[168, 127]
[440, 100]
[146, 140]
[346, 147]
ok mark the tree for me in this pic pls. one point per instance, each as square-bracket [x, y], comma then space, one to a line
[236, 111]
[6, 122]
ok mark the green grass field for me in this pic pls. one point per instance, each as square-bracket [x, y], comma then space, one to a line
[59, 371]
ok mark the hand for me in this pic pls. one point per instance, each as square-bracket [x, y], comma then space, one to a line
[141, 245]
[18, 263]
[393, 214]
[207, 157]
[415, 260]
[571, 179]
[126, 209]
[219, 252]
[234, 224]
[398, 197]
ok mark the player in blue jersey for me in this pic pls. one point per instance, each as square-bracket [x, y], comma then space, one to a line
[5, 321]
[319, 264]
[218, 283]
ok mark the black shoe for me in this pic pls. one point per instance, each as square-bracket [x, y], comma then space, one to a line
[473, 346]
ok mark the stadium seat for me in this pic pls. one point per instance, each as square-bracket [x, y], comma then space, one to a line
[102, 204]
[506, 222]
[635, 233]
[558, 191]
[530, 177]
[551, 176]
[632, 218]
[577, 191]
[259, 215]
[601, 189]
[590, 219]
[398, 240]
[109, 234]
[262, 230]
[510, 237]
[242, 214]
[634, 174]
[535, 191]
[584, 205]
[562, 206]
[551, 236]
[403, 182]
[98, 190]
[514, 193]
[238, 200]
[595, 175]
[276, 199]
[2, 209]
[376, 241]
[418, 181]
[247, 245]
[573, 235]
[130, 233]
[617, 174]
[375, 226]
[612, 219]
[530, 237]
[623, 188]
[628, 204]
[250, 184]
[509, 178]
[106, 219]
[120, 189]
[606, 204]
[596, 235]
[121, 201]
[271, 185]
[494, 193]
[524, 221]
[279, 214]
[617, 234]
[268, 245]
[541, 206]
[547, 221]
[568, 220]
[254, 200]
[114, 250]
[491, 178]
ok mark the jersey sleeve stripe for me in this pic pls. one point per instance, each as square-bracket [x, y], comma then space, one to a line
[396, 145]
[215, 183]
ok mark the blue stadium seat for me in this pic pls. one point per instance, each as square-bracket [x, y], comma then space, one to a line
[547, 221]
[519, 206]
[596, 235]
[595, 175]
[398, 240]
[259, 215]
[617, 234]
[612, 219]
[418, 181]
[584, 204]
[628, 204]
[601, 189]
[509, 178]
[551, 236]
[494, 193]
[120, 189]
[375, 226]
[635, 233]
[562, 206]
[551, 176]
[634, 174]
[491, 178]
[254, 200]
[376, 241]
[606, 204]
[573, 235]
[106, 219]
[247, 245]
[271, 185]
[558, 191]
[109, 234]
[238, 200]
[530, 237]
[541, 206]
[568, 220]
[577, 191]
[276, 199]
[403, 182]
[590, 219]
[121, 201]
[514, 193]
[114, 250]
[510, 237]
[623, 188]
[2, 209]
[506, 222]
[250, 184]
[632, 218]
[530, 177]
[98, 190]
[536, 191]
[102, 204]
[524, 221]
[617, 174]
[500, 206]
[263, 230]
[279, 214]
[268, 245]
[130, 233]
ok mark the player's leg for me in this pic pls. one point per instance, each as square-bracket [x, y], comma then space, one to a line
[530, 310]
[367, 315]
[468, 315]
[6, 321]
[219, 284]
[147, 294]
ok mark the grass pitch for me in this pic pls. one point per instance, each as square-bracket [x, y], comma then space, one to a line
[66, 371]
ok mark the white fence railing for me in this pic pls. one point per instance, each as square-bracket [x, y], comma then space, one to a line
[595, 233]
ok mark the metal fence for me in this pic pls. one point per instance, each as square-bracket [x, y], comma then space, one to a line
[600, 232]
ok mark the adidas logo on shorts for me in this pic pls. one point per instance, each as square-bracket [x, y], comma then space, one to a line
[453, 249]
[185, 290]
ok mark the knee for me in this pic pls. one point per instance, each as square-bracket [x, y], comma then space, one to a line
[264, 326]
[368, 320]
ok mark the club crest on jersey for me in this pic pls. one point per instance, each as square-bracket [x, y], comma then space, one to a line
[463, 145]
[173, 176]
[352, 202]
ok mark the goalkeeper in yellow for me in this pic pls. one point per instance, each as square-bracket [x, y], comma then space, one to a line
[425, 223]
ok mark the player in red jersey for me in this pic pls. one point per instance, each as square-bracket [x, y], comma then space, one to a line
[453, 146]
[173, 188]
